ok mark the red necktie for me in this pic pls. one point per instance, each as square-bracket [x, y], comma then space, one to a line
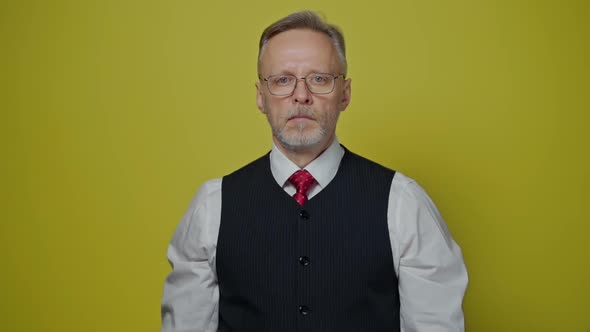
[302, 181]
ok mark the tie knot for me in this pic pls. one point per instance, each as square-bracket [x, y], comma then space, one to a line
[302, 181]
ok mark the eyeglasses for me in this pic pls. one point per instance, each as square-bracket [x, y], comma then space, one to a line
[317, 83]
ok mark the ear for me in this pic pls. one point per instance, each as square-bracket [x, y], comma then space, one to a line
[259, 97]
[345, 95]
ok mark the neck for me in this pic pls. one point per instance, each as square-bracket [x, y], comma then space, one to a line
[302, 156]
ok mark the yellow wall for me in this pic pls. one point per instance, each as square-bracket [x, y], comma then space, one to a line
[114, 112]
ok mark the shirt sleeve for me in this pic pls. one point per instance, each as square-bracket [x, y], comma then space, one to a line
[191, 294]
[431, 273]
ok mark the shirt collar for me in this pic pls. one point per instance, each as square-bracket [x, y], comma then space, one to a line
[323, 168]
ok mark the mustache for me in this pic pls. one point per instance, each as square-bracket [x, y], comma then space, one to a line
[301, 111]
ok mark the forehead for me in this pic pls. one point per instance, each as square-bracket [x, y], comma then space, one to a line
[299, 51]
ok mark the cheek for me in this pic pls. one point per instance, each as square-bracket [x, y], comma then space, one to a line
[273, 116]
[274, 109]
[330, 114]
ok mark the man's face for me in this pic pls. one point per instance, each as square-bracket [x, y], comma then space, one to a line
[302, 120]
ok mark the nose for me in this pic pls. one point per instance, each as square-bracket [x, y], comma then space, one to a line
[301, 94]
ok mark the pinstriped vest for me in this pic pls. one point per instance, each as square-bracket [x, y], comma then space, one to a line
[326, 266]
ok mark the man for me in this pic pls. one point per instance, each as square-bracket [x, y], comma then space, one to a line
[311, 237]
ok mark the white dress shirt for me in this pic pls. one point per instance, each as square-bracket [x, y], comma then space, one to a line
[428, 263]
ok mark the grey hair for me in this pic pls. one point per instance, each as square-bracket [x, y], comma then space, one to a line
[305, 20]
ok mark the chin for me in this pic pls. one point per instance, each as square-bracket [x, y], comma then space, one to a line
[300, 140]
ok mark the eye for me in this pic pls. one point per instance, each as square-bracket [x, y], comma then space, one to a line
[281, 80]
[319, 79]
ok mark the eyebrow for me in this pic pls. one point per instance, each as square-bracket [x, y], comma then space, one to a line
[287, 72]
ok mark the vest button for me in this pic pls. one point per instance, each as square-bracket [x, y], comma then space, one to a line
[304, 215]
[304, 260]
[303, 310]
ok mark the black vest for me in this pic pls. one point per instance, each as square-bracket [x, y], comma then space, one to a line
[326, 266]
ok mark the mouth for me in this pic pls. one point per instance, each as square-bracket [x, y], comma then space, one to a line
[300, 117]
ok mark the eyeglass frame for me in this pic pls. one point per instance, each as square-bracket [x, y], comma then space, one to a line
[297, 79]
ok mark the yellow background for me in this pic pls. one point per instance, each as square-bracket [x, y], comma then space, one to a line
[114, 112]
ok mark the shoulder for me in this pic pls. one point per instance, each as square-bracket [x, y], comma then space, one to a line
[196, 233]
[407, 189]
[416, 209]
[404, 183]
[208, 190]
[208, 196]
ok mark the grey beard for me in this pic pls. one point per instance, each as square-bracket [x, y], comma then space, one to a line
[300, 139]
